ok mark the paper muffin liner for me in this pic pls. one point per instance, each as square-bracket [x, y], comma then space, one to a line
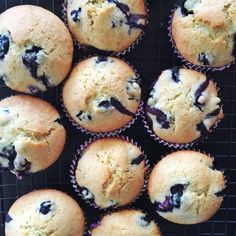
[183, 59]
[138, 113]
[79, 189]
[90, 48]
[147, 123]
[98, 222]
[196, 150]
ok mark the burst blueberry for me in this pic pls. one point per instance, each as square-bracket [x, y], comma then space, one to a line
[75, 14]
[45, 207]
[4, 45]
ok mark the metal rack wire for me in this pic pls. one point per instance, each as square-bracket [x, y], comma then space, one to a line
[153, 54]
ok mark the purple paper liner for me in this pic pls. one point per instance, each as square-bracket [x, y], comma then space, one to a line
[122, 53]
[186, 149]
[97, 223]
[101, 134]
[150, 131]
[183, 59]
[78, 189]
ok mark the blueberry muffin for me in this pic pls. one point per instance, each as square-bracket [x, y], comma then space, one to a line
[126, 222]
[183, 106]
[111, 172]
[110, 25]
[36, 49]
[102, 94]
[204, 31]
[45, 212]
[31, 136]
[185, 187]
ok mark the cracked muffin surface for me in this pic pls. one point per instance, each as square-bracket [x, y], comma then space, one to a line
[126, 222]
[110, 25]
[183, 106]
[111, 172]
[204, 31]
[29, 141]
[46, 213]
[36, 49]
[186, 188]
[102, 94]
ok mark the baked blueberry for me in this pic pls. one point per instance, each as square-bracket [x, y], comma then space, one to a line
[138, 160]
[46, 207]
[87, 194]
[184, 10]
[175, 74]
[161, 117]
[4, 45]
[76, 14]
[202, 87]
[119, 107]
[203, 58]
[214, 113]
[234, 47]
[176, 194]
[32, 89]
[8, 218]
[202, 129]
[101, 59]
[145, 220]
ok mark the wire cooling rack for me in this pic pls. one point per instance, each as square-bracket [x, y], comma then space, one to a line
[153, 54]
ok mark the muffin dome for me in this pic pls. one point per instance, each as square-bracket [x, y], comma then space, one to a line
[126, 222]
[111, 172]
[45, 212]
[29, 141]
[36, 49]
[102, 94]
[185, 187]
[204, 32]
[183, 106]
[110, 25]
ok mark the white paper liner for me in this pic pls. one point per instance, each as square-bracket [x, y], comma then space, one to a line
[73, 167]
[122, 53]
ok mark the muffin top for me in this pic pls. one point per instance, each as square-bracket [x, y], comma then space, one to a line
[111, 172]
[45, 212]
[36, 49]
[126, 222]
[204, 31]
[110, 25]
[102, 94]
[29, 141]
[183, 106]
[186, 188]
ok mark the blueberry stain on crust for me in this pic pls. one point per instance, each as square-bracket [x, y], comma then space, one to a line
[161, 117]
[202, 87]
[30, 61]
[131, 19]
[75, 14]
[173, 200]
[4, 45]
[113, 102]
[213, 113]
